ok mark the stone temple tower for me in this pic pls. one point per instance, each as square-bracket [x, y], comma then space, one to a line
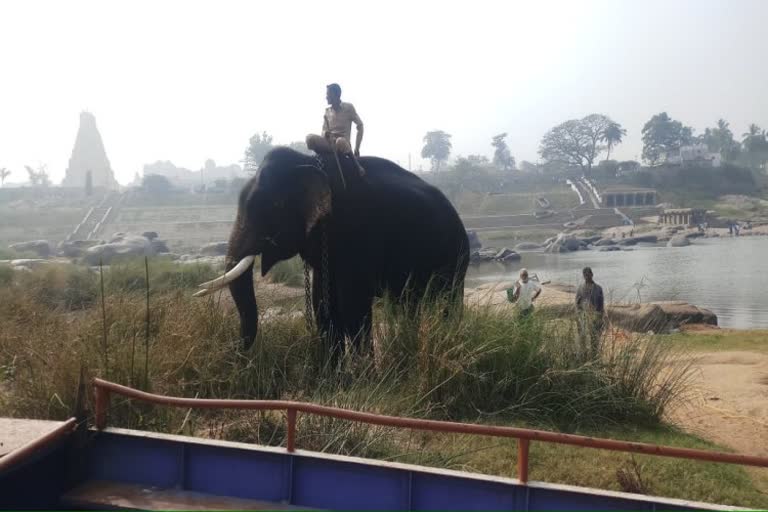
[89, 165]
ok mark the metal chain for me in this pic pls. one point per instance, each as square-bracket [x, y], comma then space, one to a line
[326, 276]
[308, 316]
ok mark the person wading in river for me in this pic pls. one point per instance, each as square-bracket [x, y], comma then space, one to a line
[590, 312]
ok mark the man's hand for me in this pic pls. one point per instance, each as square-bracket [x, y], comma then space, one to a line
[357, 152]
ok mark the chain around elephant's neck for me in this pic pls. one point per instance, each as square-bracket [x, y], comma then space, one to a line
[325, 282]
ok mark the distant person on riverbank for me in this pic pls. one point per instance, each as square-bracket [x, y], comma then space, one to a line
[524, 293]
[590, 311]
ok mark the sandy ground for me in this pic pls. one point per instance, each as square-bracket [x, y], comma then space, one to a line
[729, 402]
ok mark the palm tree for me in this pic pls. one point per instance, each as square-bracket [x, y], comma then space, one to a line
[4, 173]
[753, 131]
[612, 136]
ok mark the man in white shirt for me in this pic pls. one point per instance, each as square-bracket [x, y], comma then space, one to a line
[524, 293]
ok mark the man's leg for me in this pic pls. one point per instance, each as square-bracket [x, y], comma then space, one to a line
[343, 148]
[318, 144]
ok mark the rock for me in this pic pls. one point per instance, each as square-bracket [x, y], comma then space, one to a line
[592, 239]
[28, 263]
[680, 313]
[610, 248]
[159, 246]
[646, 239]
[679, 241]
[507, 255]
[695, 234]
[604, 242]
[659, 317]
[527, 246]
[474, 240]
[572, 244]
[127, 246]
[215, 249]
[76, 248]
[638, 317]
[42, 248]
[626, 242]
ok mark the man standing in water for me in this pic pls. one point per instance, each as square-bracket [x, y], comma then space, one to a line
[524, 293]
[337, 128]
[590, 310]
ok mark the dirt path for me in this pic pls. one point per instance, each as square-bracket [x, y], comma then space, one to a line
[729, 403]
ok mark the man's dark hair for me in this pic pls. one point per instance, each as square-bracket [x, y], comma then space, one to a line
[587, 269]
[335, 89]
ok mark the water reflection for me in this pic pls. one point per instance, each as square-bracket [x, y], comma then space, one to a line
[728, 276]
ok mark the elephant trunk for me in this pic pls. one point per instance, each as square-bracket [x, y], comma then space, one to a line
[245, 300]
[241, 288]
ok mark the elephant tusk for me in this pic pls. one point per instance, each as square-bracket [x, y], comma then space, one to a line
[221, 282]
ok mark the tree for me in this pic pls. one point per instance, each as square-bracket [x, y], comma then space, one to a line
[576, 142]
[720, 140]
[156, 184]
[501, 156]
[437, 147]
[39, 177]
[755, 144]
[662, 135]
[612, 136]
[526, 166]
[4, 173]
[258, 147]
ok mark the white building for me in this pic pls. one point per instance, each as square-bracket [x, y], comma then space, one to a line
[695, 154]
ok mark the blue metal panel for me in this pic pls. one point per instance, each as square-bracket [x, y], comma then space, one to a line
[443, 492]
[340, 485]
[137, 460]
[561, 499]
[238, 473]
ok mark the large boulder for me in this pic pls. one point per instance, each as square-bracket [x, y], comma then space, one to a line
[564, 243]
[679, 313]
[42, 248]
[572, 244]
[626, 242]
[527, 246]
[638, 317]
[507, 255]
[658, 317]
[646, 239]
[28, 264]
[610, 248]
[128, 245]
[474, 240]
[604, 242]
[215, 249]
[679, 241]
[76, 248]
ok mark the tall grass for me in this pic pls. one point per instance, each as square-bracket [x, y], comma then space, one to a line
[485, 364]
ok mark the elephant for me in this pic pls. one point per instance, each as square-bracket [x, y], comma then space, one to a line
[364, 235]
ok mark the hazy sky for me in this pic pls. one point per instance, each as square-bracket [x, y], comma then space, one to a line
[186, 81]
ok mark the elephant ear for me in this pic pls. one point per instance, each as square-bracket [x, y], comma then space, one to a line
[316, 194]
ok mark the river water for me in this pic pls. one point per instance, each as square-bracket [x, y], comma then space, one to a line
[728, 275]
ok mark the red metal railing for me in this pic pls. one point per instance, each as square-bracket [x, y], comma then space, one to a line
[524, 436]
[24, 451]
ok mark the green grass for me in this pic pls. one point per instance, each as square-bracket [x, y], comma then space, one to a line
[721, 339]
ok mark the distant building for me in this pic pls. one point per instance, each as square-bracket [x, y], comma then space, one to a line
[693, 155]
[619, 197]
[89, 165]
[187, 179]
